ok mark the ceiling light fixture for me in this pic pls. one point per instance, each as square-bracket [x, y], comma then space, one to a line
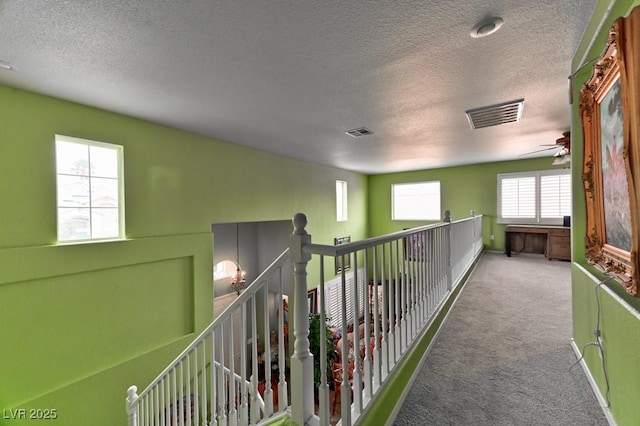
[238, 278]
[486, 27]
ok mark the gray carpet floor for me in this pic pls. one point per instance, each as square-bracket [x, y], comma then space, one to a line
[503, 356]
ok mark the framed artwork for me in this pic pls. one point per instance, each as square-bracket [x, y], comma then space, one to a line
[312, 296]
[609, 107]
[342, 262]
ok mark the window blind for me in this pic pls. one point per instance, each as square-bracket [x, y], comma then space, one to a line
[333, 299]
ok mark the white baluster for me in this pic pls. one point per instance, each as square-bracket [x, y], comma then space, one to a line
[154, 401]
[233, 403]
[244, 408]
[181, 407]
[203, 384]
[346, 386]
[283, 396]
[424, 294]
[222, 381]
[173, 397]
[397, 332]
[188, 396]
[377, 356]
[195, 409]
[267, 361]
[213, 395]
[369, 294]
[357, 375]
[163, 408]
[405, 301]
[391, 309]
[255, 410]
[151, 410]
[323, 392]
[385, 316]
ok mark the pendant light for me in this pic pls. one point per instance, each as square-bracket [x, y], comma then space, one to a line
[238, 278]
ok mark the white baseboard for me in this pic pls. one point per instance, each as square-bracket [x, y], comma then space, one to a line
[594, 386]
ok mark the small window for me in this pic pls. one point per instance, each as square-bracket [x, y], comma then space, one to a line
[415, 201]
[90, 192]
[541, 197]
[341, 201]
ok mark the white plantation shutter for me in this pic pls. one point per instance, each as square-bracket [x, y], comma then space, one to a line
[333, 299]
[555, 196]
[519, 197]
[539, 197]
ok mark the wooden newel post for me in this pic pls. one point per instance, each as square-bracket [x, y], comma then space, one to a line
[132, 410]
[302, 396]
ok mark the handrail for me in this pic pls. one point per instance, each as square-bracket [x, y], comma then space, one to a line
[242, 298]
[333, 250]
[195, 375]
[410, 275]
[396, 287]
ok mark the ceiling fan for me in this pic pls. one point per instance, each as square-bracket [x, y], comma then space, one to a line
[563, 145]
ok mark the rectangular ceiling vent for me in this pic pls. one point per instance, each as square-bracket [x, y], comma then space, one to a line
[356, 133]
[494, 115]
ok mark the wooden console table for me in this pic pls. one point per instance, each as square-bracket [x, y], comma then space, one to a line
[553, 241]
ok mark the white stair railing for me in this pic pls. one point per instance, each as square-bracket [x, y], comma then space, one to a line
[218, 379]
[410, 274]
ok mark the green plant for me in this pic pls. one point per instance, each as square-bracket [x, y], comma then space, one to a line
[316, 331]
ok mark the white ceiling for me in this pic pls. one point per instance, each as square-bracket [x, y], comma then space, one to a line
[290, 77]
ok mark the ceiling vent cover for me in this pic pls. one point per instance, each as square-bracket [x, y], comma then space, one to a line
[356, 133]
[494, 115]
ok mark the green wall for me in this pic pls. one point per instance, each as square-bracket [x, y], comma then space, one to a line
[462, 189]
[81, 323]
[619, 314]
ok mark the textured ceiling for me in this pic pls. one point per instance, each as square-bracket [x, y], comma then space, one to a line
[290, 77]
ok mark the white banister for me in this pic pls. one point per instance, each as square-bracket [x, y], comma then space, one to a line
[411, 275]
[209, 381]
[396, 285]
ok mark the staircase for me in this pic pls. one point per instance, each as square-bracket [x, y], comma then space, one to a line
[408, 274]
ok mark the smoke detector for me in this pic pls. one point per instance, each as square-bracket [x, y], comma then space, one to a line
[486, 27]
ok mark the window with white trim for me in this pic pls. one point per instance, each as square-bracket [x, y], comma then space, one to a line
[90, 190]
[341, 201]
[540, 197]
[415, 201]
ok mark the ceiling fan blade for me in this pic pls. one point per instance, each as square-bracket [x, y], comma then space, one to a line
[540, 150]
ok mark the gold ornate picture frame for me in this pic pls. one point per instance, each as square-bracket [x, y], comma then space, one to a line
[609, 107]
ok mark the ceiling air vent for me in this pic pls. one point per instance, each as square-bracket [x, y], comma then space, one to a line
[494, 115]
[356, 133]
